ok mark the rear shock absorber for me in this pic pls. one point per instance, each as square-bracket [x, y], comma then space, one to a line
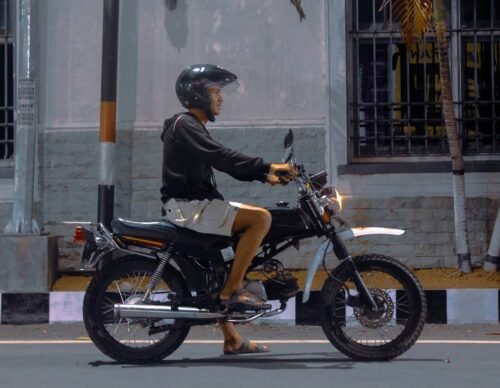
[153, 282]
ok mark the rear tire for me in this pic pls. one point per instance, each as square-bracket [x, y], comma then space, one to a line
[361, 334]
[129, 340]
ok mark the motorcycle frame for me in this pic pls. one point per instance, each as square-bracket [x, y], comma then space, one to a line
[196, 280]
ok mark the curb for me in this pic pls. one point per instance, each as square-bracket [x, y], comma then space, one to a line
[452, 306]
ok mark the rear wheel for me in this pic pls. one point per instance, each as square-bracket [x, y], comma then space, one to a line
[361, 333]
[132, 340]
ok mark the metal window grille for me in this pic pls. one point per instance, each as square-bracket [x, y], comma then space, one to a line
[6, 80]
[395, 101]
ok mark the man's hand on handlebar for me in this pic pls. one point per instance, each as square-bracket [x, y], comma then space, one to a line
[281, 173]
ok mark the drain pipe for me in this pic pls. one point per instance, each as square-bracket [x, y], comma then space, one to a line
[22, 221]
[107, 132]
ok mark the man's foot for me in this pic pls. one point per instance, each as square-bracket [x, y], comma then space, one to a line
[245, 298]
[246, 347]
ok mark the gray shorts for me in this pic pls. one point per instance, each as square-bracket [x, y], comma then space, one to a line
[212, 217]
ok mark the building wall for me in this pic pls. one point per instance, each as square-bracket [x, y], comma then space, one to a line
[292, 75]
[281, 86]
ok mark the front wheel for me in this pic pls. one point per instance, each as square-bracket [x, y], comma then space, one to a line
[361, 333]
[137, 341]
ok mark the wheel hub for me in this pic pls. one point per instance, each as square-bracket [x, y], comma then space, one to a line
[375, 319]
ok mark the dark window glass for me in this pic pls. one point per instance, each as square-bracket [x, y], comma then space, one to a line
[6, 80]
[477, 13]
[396, 104]
[6, 17]
[481, 79]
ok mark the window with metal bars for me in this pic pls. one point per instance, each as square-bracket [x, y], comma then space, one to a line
[6, 80]
[395, 99]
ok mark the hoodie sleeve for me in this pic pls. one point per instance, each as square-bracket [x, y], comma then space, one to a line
[195, 140]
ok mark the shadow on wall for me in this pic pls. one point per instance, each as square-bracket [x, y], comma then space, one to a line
[176, 22]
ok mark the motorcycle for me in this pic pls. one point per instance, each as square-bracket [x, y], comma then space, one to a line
[153, 280]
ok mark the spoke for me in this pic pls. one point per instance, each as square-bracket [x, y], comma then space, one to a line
[112, 302]
[118, 326]
[133, 335]
[382, 334]
[119, 291]
[139, 287]
[108, 310]
[365, 328]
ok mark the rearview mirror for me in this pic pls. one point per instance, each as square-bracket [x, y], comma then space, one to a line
[288, 144]
[288, 139]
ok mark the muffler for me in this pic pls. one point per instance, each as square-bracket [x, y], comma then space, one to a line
[162, 312]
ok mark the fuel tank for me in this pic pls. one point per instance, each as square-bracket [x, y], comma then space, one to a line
[287, 223]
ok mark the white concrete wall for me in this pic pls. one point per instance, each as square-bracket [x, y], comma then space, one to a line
[291, 75]
[280, 62]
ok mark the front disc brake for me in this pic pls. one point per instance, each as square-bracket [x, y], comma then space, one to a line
[375, 319]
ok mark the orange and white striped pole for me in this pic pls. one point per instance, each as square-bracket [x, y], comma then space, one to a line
[107, 132]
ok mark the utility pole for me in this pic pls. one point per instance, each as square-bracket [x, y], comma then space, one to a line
[107, 133]
[25, 119]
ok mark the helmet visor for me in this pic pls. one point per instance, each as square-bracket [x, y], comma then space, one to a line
[227, 88]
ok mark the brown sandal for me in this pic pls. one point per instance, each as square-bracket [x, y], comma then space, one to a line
[245, 298]
[247, 348]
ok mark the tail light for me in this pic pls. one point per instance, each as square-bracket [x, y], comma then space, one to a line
[79, 235]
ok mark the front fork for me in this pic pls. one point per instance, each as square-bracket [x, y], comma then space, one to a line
[341, 252]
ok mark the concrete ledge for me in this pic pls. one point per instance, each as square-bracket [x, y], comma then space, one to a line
[28, 263]
[451, 306]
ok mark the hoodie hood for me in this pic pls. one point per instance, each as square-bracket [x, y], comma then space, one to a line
[167, 123]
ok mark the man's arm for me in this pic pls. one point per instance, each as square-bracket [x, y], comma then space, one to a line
[196, 141]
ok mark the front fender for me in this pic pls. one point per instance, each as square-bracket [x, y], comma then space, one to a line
[344, 235]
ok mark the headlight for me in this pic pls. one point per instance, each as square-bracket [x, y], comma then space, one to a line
[338, 199]
[331, 200]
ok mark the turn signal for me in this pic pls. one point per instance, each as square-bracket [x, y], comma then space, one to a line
[79, 235]
[326, 217]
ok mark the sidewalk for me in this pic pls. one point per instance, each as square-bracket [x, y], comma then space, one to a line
[452, 298]
[431, 279]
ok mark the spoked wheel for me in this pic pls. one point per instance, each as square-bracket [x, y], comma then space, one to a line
[125, 339]
[363, 334]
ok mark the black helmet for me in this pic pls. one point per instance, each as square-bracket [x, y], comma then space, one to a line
[193, 82]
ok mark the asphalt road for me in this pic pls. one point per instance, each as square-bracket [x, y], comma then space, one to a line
[61, 356]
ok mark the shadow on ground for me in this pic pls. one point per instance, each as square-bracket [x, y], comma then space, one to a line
[304, 361]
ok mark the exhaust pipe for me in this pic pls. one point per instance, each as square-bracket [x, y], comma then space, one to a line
[162, 312]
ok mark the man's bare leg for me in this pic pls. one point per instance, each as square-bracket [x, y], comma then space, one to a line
[232, 339]
[254, 223]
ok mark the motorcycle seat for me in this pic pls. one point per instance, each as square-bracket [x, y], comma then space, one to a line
[164, 231]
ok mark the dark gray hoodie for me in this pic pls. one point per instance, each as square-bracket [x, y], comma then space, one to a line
[189, 153]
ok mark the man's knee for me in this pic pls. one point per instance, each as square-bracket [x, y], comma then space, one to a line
[263, 219]
[252, 217]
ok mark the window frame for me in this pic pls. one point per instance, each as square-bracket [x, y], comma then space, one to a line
[474, 161]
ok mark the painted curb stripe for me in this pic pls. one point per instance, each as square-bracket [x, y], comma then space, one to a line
[444, 307]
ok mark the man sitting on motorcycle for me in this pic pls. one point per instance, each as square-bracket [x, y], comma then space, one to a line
[189, 191]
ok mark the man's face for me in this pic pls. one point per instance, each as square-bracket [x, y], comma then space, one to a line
[215, 99]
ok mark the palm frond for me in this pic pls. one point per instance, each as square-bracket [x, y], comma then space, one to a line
[298, 5]
[414, 15]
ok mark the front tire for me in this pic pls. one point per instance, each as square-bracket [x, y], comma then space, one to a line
[136, 341]
[362, 334]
